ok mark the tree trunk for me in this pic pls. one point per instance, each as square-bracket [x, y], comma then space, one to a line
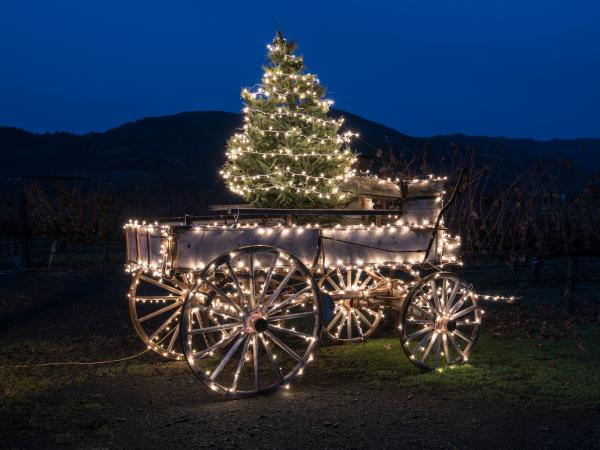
[568, 294]
[536, 265]
[52, 252]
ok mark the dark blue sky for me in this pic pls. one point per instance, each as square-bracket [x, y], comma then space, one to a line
[491, 67]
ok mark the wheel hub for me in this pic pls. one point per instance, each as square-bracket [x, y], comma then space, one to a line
[255, 323]
[348, 305]
[445, 324]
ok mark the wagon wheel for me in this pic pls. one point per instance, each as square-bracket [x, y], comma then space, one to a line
[155, 305]
[353, 319]
[266, 318]
[440, 322]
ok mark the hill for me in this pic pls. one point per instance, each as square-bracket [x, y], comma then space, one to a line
[186, 150]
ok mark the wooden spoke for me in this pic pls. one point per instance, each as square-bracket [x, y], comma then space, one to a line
[251, 282]
[274, 365]
[464, 312]
[280, 287]
[444, 299]
[422, 342]
[427, 313]
[241, 362]
[455, 345]
[436, 300]
[165, 324]
[225, 326]
[160, 311]
[418, 333]
[234, 280]
[335, 319]
[349, 325]
[334, 284]
[446, 350]
[289, 300]
[362, 317]
[215, 346]
[452, 296]
[434, 337]
[174, 337]
[227, 357]
[255, 350]
[267, 282]
[291, 316]
[365, 282]
[283, 346]
[462, 336]
[436, 358]
[164, 286]
[419, 322]
[357, 323]
[223, 296]
[290, 332]
[157, 298]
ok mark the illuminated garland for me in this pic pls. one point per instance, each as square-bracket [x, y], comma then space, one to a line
[447, 245]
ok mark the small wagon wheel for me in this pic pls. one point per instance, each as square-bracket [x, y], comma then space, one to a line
[155, 305]
[440, 321]
[353, 319]
[265, 317]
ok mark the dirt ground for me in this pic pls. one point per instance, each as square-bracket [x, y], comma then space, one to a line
[149, 402]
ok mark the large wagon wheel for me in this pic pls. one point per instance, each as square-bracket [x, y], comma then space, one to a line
[440, 322]
[353, 319]
[265, 319]
[155, 305]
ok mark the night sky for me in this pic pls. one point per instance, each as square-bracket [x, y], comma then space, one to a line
[516, 68]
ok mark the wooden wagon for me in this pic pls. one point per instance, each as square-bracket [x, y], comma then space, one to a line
[244, 294]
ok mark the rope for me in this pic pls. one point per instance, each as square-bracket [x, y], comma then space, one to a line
[76, 363]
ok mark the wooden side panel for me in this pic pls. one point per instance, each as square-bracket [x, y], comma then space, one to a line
[375, 246]
[196, 248]
[421, 211]
[422, 188]
[143, 247]
[131, 241]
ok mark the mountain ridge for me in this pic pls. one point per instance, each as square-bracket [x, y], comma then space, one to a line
[188, 148]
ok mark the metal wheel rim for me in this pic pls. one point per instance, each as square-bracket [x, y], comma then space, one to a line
[164, 337]
[440, 330]
[352, 321]
[229, 366]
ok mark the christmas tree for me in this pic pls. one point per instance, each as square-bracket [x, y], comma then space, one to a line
[290, 154]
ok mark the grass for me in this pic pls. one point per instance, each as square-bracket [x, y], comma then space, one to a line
[558, 375]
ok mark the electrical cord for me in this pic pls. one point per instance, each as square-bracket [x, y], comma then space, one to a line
[76, 363]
